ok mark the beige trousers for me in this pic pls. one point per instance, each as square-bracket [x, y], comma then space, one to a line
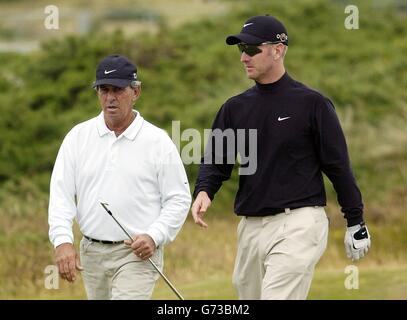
[113, 271]
[277, 254]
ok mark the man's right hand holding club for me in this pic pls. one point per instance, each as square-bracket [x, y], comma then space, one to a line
[143, 246]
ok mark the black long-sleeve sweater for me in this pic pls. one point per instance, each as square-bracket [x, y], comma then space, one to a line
[298, 137]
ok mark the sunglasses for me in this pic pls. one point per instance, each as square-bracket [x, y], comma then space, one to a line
[252, 49]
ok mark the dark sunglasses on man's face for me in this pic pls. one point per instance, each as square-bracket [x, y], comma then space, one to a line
[251, 49]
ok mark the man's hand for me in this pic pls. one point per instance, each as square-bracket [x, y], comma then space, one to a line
[357, 241]
[201, 204]
[67, 261]
[143, 246]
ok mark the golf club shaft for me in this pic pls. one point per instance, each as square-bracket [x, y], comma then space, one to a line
[152, 262]
[149, 259]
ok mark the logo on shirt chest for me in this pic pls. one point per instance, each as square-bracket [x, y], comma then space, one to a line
[283, 118]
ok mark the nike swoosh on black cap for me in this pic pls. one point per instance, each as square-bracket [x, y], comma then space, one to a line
[115, 70]
[260, 29]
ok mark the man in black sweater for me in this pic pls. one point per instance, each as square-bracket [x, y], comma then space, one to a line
[284, 228]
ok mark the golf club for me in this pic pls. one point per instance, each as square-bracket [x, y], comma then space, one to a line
[104, 205]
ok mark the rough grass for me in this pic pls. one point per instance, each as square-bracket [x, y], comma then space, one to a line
[377, 283]
[200, 262]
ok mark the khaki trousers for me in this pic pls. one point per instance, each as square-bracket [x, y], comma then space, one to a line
[277, 254]
[113, 271]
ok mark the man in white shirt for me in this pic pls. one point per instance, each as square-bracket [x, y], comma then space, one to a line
[123, 160]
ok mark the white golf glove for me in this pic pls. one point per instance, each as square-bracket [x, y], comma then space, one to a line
[357, 241]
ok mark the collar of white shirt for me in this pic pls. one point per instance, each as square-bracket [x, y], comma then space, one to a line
[130, 133]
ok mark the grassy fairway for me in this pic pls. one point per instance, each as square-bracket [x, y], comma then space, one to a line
[374, 283]
[377, 283]
[200, 264]
[382, 282]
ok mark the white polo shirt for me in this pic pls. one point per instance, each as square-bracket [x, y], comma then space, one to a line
[139, 174]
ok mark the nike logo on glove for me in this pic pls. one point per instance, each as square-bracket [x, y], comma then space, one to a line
[361, 234]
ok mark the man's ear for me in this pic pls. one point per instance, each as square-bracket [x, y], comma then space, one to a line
[278, 51]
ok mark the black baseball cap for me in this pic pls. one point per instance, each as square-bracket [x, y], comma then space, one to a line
[260, 29]
[115, 70]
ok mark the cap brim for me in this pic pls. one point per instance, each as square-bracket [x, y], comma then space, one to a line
[121, 83]
[243, 37]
